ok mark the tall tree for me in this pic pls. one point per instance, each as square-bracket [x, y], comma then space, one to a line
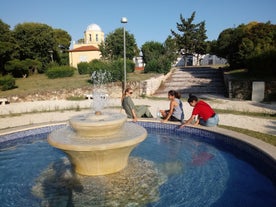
[200, 41]
[7, 46]
[192, 38]
[35, 41]
[113, 46]
[171, 48]
[63, 41]
[240, 44]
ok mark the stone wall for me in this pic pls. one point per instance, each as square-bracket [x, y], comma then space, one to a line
[148, 87]
[242, 89]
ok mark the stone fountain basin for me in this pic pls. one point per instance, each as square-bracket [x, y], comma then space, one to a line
[91, 125]
[67, 139]
[98, 156]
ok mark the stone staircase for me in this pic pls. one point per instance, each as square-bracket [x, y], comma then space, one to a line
[196, 80]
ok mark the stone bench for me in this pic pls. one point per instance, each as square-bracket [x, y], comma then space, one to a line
[4, 101]
[90, 96]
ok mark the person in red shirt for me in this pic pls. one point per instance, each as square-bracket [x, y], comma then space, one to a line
[206, 115]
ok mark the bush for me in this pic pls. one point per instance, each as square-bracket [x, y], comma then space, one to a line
[97, 65]
[60, 72]
[7, 82]
[115, 68]
[263, 63]
[161, 65]
[17, 68]
[84, 68]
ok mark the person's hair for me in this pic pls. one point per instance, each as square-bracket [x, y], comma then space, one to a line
[124, 94]
[192, 98]
[175, 94]
[127, 90]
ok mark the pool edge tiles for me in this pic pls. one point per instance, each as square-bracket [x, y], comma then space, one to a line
[28, 131]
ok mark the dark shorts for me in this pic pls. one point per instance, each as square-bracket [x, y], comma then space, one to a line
[172, 118]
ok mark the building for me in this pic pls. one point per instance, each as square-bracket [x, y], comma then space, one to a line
[89, 49]
[202, 60]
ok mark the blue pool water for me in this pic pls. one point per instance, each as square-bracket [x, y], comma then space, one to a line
[193, 170]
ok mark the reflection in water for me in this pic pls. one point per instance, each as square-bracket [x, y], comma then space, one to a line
[136, 185]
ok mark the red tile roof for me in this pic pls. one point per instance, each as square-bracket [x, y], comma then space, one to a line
[84, 48]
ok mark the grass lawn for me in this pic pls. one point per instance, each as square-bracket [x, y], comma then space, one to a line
[40, 82]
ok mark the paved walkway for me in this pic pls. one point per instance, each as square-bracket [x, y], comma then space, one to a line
[32, 113]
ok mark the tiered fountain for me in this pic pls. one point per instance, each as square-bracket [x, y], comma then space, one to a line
[100, 142]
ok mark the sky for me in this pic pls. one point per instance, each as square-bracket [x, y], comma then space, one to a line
[148, 20]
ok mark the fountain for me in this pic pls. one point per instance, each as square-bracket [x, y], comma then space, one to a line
[100, 142]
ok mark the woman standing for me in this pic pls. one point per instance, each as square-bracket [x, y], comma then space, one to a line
[131, 110]
[175, 113]
[206, 115]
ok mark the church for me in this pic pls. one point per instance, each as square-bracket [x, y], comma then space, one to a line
[89, 49]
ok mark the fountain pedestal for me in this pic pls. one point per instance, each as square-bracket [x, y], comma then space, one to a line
[98, 144]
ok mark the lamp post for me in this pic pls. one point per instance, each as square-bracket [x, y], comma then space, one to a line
[124, 21]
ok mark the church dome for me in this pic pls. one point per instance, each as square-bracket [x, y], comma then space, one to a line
[93, 27]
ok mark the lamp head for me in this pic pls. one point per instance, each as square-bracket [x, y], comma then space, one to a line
[123, 20]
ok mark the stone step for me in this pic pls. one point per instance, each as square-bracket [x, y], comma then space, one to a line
[194, 80]
[206, 76]
[193, 90]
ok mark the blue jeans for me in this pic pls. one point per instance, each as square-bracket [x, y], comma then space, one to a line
[212, 121]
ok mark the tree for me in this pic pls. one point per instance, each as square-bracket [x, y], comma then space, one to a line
[62, 43]
[192, 39]
[113, 46]
[155, 57]
[200, 43]
[171, 48]
[240, 45]
[152, 50]
[35, 41]
[7, 46]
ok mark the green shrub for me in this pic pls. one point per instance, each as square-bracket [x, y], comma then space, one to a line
[84, 68]
[162, 65]
[115, 68]
[97, 65]
[263, 63]
[60, 72]
[7, 82]
[17, 68]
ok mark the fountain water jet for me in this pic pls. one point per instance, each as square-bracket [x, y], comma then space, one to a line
[98, 143]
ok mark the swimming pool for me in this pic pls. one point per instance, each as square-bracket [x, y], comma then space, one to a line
[172, 167]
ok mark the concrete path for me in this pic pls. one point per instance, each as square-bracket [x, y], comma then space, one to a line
[32, 113]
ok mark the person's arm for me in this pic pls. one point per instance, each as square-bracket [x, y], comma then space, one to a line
[189, 121]
[132, 109]
[134, 115]
[172, 105]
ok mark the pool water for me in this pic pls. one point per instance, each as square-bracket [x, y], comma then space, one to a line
[186, 170]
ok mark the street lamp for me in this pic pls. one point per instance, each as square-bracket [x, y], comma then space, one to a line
[124, 21]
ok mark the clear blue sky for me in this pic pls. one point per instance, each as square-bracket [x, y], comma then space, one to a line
[148, 20]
